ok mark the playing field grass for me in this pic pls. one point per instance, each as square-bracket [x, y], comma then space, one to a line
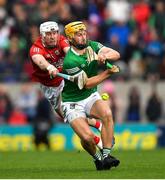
[74, 164]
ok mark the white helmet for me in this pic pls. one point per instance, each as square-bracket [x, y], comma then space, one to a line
[48, 27]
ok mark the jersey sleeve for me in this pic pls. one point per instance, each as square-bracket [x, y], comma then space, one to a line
[36, 50]
[96, 46]
[63, 42]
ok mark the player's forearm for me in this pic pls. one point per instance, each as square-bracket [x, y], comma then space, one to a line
[110, 53]
[95, 80]
[114, 55]
[40, 61]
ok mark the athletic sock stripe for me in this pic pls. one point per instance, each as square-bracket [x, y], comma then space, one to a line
[97, 156]
[106, 151]
[97, 125]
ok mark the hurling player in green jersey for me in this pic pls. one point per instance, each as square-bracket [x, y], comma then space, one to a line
[78, 104]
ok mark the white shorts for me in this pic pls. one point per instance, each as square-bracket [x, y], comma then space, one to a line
[74, 110]
[52, 94]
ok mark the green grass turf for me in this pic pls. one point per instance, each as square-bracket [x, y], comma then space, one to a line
[74, 164]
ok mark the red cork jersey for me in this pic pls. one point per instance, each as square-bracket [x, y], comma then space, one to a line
[54, 56]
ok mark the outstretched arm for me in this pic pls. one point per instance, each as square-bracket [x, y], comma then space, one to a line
[43, 64]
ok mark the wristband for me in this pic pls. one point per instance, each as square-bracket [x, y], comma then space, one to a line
[50, 67]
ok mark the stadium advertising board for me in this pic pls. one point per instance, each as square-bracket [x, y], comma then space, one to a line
[63, 138]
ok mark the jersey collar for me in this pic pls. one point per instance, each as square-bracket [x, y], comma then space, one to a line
[74, 51]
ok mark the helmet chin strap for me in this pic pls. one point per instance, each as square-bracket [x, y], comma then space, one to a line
[50, 47]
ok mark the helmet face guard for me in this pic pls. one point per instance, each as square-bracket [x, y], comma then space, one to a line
[73, 27]
[48, 27]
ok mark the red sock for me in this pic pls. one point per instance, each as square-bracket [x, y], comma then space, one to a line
[97, 125]
[96, 139]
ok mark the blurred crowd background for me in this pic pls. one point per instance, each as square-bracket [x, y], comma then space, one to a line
[134, 28]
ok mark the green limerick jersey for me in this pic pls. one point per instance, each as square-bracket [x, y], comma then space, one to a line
[73, 64]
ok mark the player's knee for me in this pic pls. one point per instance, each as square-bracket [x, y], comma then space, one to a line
[107, 114]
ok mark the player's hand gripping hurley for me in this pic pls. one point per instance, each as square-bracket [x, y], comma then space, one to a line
[91, 56]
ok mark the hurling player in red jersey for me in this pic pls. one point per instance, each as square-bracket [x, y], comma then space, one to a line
[47, 54]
